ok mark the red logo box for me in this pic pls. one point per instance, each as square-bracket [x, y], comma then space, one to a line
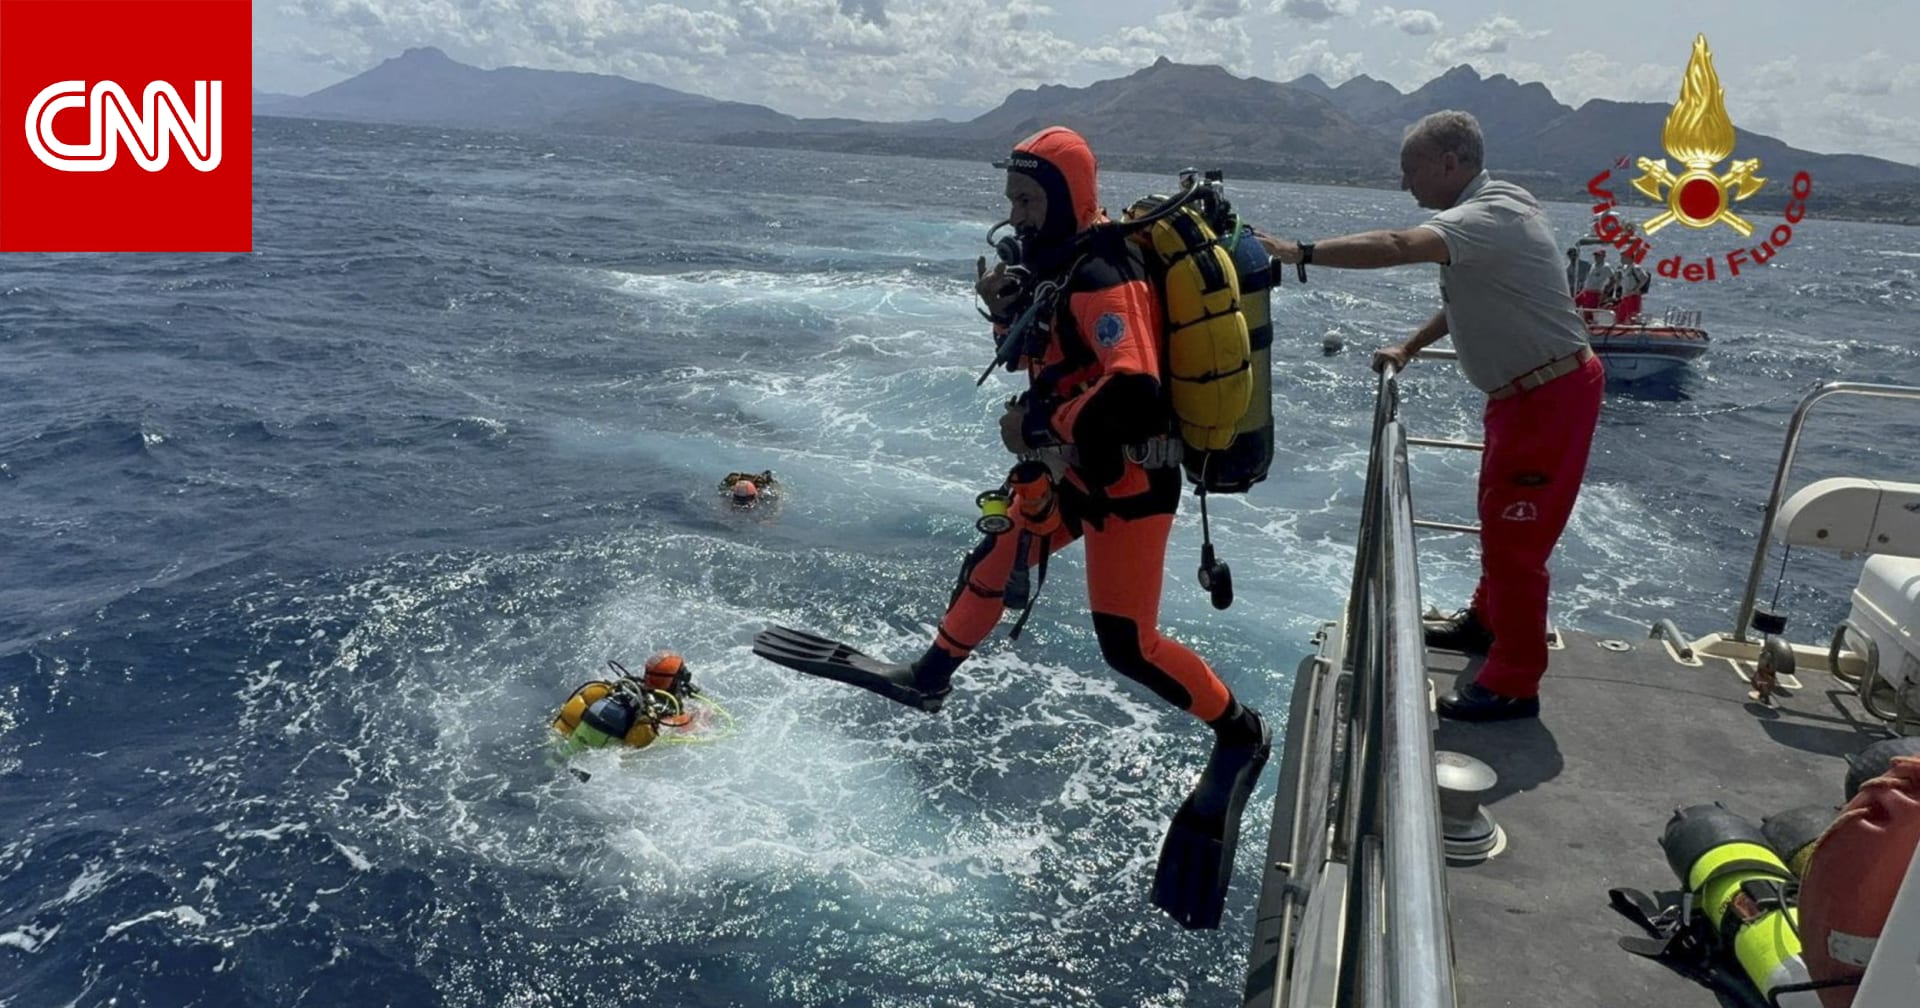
[111, 139]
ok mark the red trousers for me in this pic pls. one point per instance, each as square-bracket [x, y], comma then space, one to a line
[1126, 563]
[1626, 308]
[1537, 443]
[1588, 301]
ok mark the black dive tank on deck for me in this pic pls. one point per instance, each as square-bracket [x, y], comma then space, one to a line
[1238, 466]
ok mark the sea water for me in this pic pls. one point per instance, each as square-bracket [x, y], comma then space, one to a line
[302, 547]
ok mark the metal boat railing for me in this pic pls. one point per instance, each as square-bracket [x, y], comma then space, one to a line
[1743, 617]
[1682, 318]
[1372, 836]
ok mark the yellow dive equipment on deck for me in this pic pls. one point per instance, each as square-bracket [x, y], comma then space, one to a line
[1744, 891]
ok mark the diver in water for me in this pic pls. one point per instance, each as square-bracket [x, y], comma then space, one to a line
[1091, 432]
[748, 489]
[629, 709]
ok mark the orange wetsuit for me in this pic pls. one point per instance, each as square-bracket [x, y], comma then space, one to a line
[1095, 387]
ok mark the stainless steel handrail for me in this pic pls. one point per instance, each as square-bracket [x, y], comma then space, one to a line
[1744, 614]
[1418, 942]
[1440, 526]
[1366, 796]
[1446, 443]
[1390, 802]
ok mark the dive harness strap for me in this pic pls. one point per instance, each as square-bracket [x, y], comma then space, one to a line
[1029, 331]
[1021, 593]
[1681, 939]
[1163, 452]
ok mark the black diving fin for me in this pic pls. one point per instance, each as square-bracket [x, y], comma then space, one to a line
[1196, 861]
[829, 659]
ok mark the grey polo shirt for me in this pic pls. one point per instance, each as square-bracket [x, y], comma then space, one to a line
[1504, 284]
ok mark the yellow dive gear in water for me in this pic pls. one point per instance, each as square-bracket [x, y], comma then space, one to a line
[636, 711]
[639, 732]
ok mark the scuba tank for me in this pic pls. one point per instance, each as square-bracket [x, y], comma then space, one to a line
[1743, 891]
[1245, 460]
[1213, 279]
[639, 710]
[1205, 361]
[614, 717]
[602, 712]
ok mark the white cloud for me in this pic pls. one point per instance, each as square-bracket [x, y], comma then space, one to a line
[1841, 123]
[804, 57]
[1318, 58]
[1216, 10]
[870, 11]
[1491, 36]
[1783, 72]
[1587, 75]
[1874, 74]
[1413, 22]
[1317, 10]
[1191, 37]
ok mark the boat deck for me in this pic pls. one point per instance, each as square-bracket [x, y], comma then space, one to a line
[1624, 738]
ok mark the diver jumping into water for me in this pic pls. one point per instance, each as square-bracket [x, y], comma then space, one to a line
[1092, 433]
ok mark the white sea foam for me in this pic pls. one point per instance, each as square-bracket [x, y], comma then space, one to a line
[92, 878]
[28, 938]
[185, 916]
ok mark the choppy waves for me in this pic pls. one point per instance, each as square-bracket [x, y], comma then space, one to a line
[317, 537]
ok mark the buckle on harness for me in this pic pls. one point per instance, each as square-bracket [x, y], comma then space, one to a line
[1057, 458]
[1162, 452]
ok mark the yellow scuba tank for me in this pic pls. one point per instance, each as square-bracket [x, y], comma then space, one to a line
[576, 706]
[593, 717]
[1244, 462]
[1206, 356]
[1211, 276]
[1740, 887]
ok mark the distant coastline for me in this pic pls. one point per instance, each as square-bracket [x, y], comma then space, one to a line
[1297, 131]
[1894, 205]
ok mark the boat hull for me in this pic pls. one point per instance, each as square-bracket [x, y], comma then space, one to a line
[1634, 352]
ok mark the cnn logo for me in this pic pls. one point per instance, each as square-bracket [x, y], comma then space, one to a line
[126, 126]
[150, 131]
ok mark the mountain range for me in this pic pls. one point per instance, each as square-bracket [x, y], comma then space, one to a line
[1159, 118]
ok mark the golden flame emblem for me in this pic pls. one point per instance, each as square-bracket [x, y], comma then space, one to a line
[1699, 135]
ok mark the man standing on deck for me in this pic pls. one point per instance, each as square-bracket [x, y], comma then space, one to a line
[1593, 289]
[1576, 270]
[1633, 282]
[1520, 341]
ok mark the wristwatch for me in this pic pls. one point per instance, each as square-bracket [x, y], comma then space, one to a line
[1306, 253]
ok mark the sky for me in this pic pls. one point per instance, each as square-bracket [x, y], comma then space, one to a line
[1832, 77]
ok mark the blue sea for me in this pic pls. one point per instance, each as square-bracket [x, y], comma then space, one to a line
[302, 548]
